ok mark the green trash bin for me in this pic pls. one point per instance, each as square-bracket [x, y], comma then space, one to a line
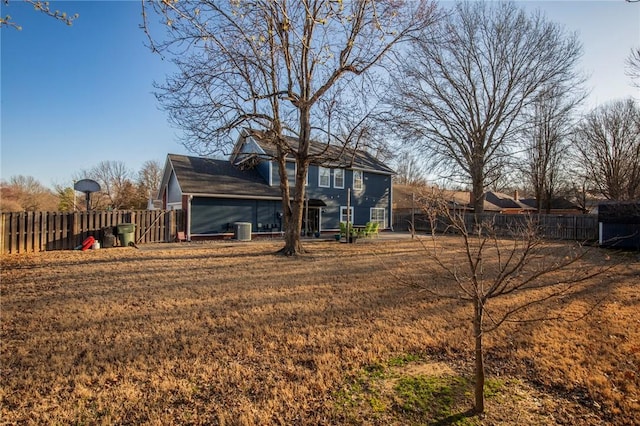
[126, 233]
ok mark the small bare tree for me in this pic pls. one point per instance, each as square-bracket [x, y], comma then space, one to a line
[495, 264]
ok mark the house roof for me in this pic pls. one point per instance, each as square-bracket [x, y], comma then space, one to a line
[325, 154]
[197, 175]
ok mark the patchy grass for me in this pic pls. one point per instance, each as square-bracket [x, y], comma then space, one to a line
[229, 333]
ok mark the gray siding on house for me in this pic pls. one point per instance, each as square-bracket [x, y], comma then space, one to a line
[218, 215]
[173, 190]
[264, 170]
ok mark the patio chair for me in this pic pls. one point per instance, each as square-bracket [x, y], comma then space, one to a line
[367, 229]
[374, 229]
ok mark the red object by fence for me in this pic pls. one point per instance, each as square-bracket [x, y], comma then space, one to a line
[87, 243]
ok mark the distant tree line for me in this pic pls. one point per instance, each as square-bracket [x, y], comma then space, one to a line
[121, 188]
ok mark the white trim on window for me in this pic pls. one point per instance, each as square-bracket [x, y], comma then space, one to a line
[324, 172]
[337, 172]
[343, 214]
[375, 215]
[358, 181]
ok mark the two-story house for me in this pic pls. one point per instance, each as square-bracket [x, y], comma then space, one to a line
[215, 194]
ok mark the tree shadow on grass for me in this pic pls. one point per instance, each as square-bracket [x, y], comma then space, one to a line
[454, 418]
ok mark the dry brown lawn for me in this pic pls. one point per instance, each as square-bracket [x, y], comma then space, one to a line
[229, 333]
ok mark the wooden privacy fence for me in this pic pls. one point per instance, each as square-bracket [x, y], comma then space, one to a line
[556, 227]
[26, 232]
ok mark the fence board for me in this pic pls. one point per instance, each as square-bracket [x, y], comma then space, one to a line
[13, 229]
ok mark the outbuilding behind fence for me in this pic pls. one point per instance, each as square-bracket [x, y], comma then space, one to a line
[619, 225]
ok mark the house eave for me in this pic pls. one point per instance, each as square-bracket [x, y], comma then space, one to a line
[233, 196]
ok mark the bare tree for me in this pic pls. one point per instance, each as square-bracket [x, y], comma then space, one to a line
[115, 182]
[409, 170]
[25, 193]
[281, 67]
[633, 66]
[607, 142]
[463, 86]
[149, 177]
[545, 142]
[40, 6]
[496, 264]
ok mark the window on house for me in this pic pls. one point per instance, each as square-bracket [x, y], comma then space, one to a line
[324, 177]
[357, 179]
[338, 178]
[343, 214]
[378, 215]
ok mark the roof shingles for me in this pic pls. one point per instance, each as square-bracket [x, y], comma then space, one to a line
[209, 176]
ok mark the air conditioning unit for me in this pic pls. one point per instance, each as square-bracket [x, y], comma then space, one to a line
[243, 231]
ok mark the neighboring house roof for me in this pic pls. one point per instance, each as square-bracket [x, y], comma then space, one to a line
[403, 198]
[207, 176]
[506, 202]
[559, 203]
[326, 154]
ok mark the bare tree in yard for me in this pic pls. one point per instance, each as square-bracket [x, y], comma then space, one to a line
[545, 142]
[463, 86]
[281, 67]
[607, 142]
[494, 265]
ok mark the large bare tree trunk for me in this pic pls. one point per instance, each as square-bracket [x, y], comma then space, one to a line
[291, 211]
[477, 191]
[292, 244]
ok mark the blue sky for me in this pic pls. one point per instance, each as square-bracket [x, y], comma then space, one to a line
[74, 96]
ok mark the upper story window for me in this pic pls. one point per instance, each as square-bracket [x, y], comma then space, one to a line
[338, 178]
[357, 179]
[324, 177]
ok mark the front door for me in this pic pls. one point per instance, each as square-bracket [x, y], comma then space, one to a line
[314, 219]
